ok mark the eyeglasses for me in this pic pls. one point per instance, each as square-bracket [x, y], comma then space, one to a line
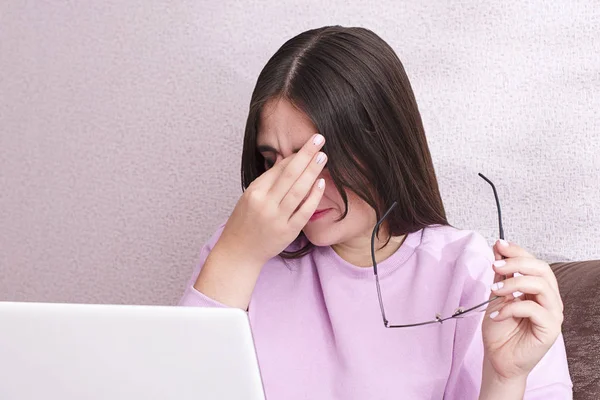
[460, 312]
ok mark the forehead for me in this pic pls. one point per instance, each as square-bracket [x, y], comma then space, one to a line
[283, 126]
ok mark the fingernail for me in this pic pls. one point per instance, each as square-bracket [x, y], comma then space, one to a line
[499, 263]
[318, 139]
[503, 243]
[320, 158]
[494, 314]
[517, 294]
[321, 183]
[497, 285]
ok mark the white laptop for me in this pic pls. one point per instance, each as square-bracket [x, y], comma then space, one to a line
[92, 352]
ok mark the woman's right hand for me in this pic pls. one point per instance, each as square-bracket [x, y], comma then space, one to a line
[277, 205]
[266, 220]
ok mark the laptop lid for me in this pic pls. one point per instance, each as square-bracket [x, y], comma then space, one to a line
[93, 352]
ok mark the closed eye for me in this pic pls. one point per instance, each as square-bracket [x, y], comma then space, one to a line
[269, 155]
[269, 164]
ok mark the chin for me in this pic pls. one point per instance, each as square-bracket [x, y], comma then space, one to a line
[322, 236]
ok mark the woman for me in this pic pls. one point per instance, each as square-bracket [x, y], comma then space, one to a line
[295, 251]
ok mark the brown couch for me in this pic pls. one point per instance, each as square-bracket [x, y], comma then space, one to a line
[579, 284]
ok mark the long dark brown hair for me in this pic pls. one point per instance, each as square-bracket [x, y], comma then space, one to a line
[353, 87]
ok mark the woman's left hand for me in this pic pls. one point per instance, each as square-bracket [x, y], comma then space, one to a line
[518, 331]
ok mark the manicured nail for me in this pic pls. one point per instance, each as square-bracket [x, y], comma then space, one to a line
[517, 294]
[497, 285]
[499, 263]
[318, 139]
[320, 158]
[494, 314]
[503, 243]
[321, 183]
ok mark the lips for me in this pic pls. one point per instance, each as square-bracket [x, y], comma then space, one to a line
[319, 213]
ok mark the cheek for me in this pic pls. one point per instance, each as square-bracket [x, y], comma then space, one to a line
[360, 211]
[331, 194]
[331, 191]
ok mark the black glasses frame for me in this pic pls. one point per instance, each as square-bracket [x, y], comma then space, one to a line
[460, 312]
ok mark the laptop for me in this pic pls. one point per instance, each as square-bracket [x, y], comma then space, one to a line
[93, 352]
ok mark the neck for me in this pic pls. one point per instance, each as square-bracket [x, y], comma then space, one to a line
[358, 250]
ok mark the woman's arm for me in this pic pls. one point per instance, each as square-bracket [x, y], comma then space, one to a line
[470, 374]
[522, 334]
[267, 218]
[495, 387]
[228, 278]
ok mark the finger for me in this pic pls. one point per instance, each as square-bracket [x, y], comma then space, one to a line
[300, 218]
[301, 188]
[497, 255]
[509, 250]
[499, 276]
[266, 180]
[527, 266]
[296, 167]
[532, 285]
[495, 303]
[537, 314]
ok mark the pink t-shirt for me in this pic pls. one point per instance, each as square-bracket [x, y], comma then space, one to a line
[319, 334]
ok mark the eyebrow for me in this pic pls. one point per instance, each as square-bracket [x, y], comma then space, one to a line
[268, 149]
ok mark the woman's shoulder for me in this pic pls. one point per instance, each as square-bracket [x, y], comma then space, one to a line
[466, 251]
[456, 243]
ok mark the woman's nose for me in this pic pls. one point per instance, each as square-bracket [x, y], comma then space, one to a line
[285, 156]
[278, 159]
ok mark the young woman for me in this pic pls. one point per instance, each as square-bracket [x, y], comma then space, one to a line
[333, 139]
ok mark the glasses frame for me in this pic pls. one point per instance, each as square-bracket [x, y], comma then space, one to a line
[460, 312]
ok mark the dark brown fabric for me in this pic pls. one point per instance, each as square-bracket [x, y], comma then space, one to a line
[579, 283]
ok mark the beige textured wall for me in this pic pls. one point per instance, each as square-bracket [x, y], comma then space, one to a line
[121, 126]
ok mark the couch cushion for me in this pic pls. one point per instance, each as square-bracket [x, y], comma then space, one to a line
[579, 283]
